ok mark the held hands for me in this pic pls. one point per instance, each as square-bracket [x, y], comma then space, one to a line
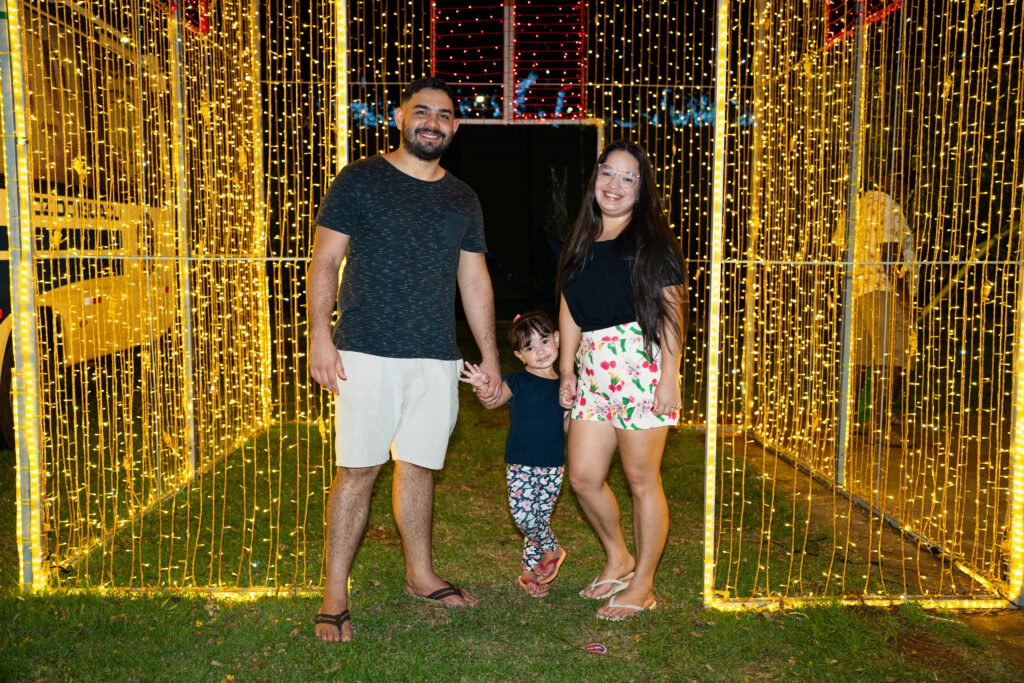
[472, 374]
[486, 382]
[567, 390]
[325, 366]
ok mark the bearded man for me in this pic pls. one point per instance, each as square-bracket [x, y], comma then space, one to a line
[409, 231]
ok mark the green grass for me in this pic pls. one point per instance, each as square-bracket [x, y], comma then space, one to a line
[186, 636]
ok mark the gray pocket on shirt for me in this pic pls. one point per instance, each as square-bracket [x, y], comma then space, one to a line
[455, 226]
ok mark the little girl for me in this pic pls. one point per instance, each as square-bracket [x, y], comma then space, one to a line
[535, 447]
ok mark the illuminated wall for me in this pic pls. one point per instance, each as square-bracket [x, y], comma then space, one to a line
[175, 166]
[145, 260]
[927, 95]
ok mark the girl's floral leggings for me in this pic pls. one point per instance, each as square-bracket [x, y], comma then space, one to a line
[532, 493]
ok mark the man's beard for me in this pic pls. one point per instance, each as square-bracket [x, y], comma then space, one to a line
[424, 150]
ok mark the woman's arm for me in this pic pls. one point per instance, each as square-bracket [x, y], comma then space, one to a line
[569, 336]
[673, 331]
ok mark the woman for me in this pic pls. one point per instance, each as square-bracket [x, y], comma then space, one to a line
[621, 317]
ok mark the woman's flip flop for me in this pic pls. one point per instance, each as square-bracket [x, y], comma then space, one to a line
[618, 585]
[636, 609]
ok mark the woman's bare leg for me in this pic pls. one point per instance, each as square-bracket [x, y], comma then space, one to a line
[641, 452]
[591, 448]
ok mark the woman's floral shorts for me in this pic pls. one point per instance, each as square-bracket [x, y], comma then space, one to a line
[617, 379]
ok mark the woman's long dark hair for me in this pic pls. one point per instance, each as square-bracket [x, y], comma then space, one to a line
[647, 241]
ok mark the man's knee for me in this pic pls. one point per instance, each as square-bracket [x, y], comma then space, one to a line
[357, 477]
[411, 472]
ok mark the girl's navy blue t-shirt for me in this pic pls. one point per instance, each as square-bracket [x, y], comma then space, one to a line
[536, 435]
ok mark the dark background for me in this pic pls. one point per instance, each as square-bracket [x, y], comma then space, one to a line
[530, 180]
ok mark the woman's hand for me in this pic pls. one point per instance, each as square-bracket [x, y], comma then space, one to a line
[666, 398]
[567, 390]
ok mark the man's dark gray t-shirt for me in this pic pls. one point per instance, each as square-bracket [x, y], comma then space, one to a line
[398, 288]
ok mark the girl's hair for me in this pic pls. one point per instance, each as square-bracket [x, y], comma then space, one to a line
[524, 326]
[647, 242]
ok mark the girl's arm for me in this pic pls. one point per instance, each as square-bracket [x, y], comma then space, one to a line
[473, 374]
[673, 331]
[569, 336]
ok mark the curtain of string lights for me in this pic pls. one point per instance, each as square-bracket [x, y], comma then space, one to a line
[168, 162]
[142, 297]
[850, 98]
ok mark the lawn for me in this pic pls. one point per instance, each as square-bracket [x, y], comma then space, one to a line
[188, 636]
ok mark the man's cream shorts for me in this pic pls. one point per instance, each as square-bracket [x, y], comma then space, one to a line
[405, 406]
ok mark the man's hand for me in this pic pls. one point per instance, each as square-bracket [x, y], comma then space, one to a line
[325, 365]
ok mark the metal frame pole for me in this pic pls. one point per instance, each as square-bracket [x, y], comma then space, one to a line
[509, 83]
[341, 79]
[28, 425]
[754, 226]
[852, 196]
[715, 297]
[184, 223]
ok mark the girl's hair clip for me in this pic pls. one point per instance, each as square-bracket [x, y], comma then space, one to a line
[516, 319]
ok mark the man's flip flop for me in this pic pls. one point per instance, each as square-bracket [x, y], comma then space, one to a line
[618, 585]
[438, 596]
[335, 620]
[557, 561]
[636, 610]
[525, 585]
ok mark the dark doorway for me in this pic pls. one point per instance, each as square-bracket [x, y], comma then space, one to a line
[530, 180]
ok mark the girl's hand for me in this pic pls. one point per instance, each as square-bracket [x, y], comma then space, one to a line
[472, 374]
[567, 390]
[490, 390]
[666, 398]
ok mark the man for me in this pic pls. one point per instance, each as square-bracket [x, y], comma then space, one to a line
[409, 231]
[884, 280]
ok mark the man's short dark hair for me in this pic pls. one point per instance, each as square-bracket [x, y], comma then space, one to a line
[429, 83]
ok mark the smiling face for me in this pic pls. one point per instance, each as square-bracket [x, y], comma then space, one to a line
[427, 122]
[618, 184]
[540, 353]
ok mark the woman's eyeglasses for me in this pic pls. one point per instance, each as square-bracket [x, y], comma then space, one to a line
[607, 173]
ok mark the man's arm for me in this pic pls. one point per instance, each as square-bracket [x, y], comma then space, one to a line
[478, 303]
[329, 248]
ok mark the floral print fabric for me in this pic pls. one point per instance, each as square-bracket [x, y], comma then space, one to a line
[532, 493]
[617, 379]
